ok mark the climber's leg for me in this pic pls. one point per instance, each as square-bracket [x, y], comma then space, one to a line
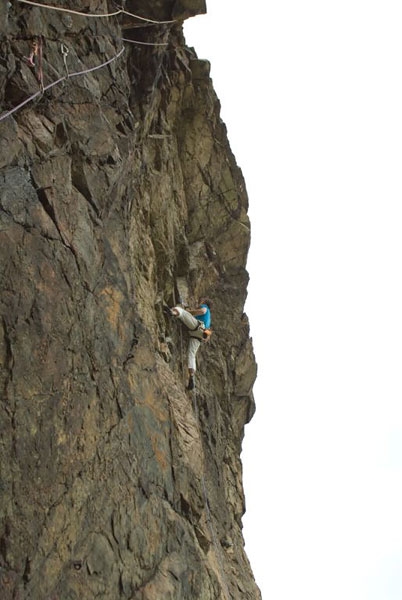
[185, 317]
[193, 345]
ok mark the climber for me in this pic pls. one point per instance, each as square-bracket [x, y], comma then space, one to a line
[198, 322]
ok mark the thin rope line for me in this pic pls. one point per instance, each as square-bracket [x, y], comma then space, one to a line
[144, 43]
[64, 78]
[183, 372]
[181, 340]
[94, 15]
[10, 112]
[203, 480]
[125, 12]
[115, 38]
[69, 10]
[98, 66]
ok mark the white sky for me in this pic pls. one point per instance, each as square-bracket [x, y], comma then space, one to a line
[311, 94]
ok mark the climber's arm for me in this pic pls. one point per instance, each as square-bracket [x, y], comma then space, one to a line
[196, 312]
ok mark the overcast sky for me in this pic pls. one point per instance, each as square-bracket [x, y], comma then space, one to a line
[311, 95]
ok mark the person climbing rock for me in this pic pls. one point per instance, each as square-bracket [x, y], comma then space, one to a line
[198, 323]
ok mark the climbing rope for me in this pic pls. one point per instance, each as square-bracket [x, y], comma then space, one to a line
[40, 63]
[121, 11]
[210, 522]
[50, 85]
[183, 368]
[144, 43]
[37, 50]
[91, 69]
[181, 342]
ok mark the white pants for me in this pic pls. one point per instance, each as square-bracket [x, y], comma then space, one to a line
[195, 336]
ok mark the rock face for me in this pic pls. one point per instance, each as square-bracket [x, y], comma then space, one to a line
[118, 192]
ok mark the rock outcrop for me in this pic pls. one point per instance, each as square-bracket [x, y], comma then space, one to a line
[118, 193]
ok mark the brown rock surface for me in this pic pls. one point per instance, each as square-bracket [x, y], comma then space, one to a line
[118, 192]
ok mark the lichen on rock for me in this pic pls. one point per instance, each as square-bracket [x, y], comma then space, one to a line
[118, 193]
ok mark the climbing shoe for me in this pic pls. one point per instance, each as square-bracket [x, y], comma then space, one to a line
[191, 383]
[167, 310]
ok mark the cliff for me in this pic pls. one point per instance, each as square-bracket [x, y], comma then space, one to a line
[118, 193]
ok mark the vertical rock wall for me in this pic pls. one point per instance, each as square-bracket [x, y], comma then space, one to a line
[118, 192]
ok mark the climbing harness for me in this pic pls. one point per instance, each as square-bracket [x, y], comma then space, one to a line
[207, 334]
[200, 332]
